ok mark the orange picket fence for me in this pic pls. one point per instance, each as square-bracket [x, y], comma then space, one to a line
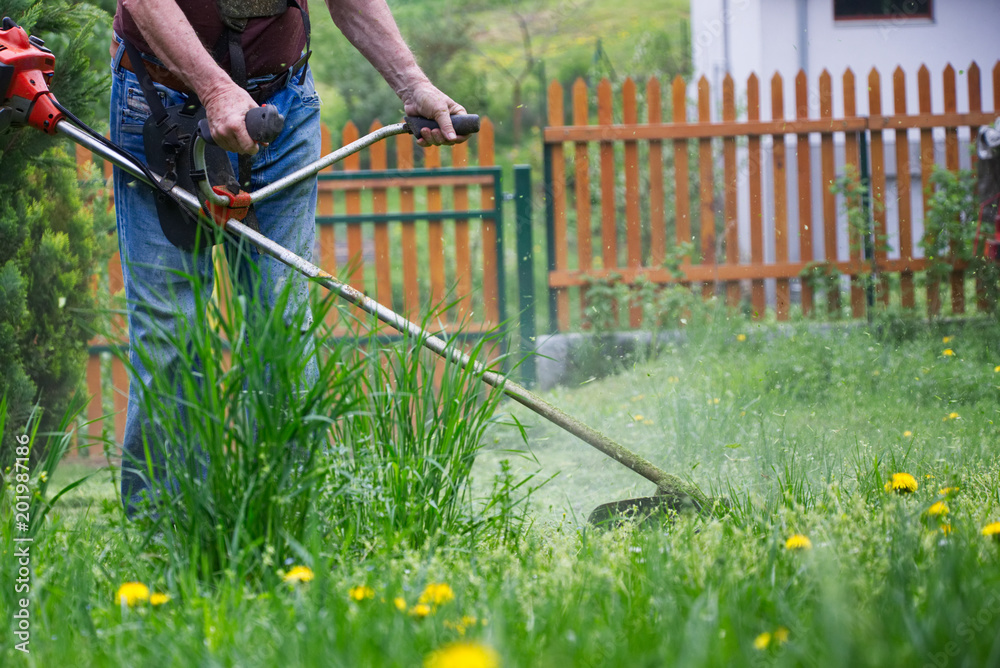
[625, 196]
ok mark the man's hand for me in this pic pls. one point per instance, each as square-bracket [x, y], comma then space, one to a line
[426, 100]
[369, 26]
[226, 108]
[173, 40]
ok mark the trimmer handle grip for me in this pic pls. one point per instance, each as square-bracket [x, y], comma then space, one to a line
[264, 124]
[464, 124]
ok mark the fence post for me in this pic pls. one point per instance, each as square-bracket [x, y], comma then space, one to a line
[868, 242]
[550, 236]
[525, 271]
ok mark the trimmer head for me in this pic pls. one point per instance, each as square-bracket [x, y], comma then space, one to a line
[643, 510]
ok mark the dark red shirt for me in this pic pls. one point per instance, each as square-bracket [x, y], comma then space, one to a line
[270, 45]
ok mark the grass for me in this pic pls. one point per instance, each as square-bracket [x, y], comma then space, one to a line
[804, 401]
[800, 427]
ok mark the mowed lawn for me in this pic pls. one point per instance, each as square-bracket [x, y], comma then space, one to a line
[800, 428]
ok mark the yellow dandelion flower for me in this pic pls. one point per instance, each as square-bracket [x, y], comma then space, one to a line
[716, 400]
[938, 509]
[458, 627]
[637, 418]
[781, 635]
[436, 593]
[420, 610]
[945, 529]
[992, 530]
[159, 599]
[463, 655]
[948, 352]
[132, 593]
[947, 339]
[798, 542]
[907, 433]
[763, 641]
[361, 592]
[953, 416]
[901, 483]
[996, 369]
[741, 337]
[461, 625]
[948, 491]
[299, 574]
[400, 603]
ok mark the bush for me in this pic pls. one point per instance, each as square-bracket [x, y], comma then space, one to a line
[951, 232]
[49, 252]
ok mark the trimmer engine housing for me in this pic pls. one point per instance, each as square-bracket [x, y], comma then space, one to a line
[26, 68]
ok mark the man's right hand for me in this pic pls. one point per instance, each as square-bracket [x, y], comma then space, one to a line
[226, 107]
[169, 34]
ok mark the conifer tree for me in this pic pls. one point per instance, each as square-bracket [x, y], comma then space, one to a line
[48, 244]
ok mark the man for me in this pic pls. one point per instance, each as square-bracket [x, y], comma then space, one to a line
[190, 47]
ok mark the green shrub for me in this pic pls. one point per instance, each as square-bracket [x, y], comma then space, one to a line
[48, 251]
[950, 229]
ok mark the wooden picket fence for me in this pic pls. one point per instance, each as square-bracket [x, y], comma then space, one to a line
[410, 236]
[584, 248]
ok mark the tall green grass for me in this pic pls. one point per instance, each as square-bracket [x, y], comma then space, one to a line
[303, 439]
[409, 453]
[236, 459]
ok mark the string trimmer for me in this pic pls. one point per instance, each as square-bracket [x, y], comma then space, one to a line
[26, 67]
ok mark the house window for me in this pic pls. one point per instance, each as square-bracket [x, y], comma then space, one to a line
[846, 10]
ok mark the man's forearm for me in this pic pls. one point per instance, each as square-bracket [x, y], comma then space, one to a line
[370, 27]
[173, 40]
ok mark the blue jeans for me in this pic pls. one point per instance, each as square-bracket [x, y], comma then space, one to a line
[157, 289]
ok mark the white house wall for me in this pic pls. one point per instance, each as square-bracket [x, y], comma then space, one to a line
[764, 37]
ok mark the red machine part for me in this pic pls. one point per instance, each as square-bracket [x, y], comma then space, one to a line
[992, 249]
[238, 206]
[26, 67]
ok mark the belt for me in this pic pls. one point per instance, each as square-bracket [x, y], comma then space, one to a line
[259, 88]
[158, 73]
